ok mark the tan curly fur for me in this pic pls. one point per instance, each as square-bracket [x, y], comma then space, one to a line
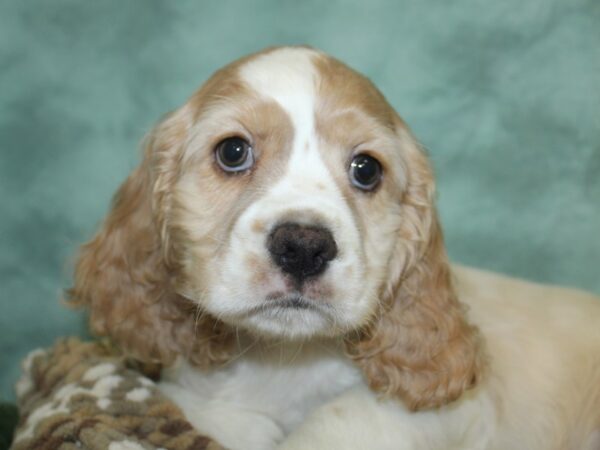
[420, 346]
[124, 275]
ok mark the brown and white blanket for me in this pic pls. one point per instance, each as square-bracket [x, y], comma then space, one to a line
[87, 395]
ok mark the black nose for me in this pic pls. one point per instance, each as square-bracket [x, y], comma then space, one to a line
[300, 250]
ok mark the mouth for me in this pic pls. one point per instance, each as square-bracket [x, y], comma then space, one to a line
[290, 314]
[290, 302]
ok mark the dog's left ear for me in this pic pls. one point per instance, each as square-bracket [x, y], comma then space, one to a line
[419, 347]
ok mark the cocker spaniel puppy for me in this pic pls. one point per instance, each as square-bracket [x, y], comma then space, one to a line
[278, 252]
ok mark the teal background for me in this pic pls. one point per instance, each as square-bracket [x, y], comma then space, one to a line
[505, 95]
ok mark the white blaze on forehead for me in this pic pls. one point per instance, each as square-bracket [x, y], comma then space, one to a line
[288, 76]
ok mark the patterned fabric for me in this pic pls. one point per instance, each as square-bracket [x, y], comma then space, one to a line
[79, 395]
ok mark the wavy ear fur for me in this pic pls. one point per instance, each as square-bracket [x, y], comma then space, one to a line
[123, 274]
[419, 347]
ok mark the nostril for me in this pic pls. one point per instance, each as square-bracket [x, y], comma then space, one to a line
[301, 250]
[290, 252]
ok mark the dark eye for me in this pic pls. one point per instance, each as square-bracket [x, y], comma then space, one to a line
[365, 172]
[234, 154]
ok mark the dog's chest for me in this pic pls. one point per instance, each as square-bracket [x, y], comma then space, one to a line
[267, 388]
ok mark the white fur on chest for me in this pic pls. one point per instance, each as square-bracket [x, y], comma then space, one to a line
[256, 400]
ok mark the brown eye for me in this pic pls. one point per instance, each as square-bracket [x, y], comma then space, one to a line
[365, 172]
[234, 154]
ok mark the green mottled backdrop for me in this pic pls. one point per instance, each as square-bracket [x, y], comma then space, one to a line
[505, 95]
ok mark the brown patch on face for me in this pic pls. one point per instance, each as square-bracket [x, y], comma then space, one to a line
[353, 117]
[256, 267]
[258, 226]
[209, 198]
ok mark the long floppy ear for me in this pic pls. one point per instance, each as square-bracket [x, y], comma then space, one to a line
[419, 347]
[124, 274]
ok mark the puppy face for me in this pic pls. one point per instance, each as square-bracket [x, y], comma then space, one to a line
[297, 124]
[287, 198]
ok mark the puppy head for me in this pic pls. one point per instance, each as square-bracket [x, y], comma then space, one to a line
[286, 198]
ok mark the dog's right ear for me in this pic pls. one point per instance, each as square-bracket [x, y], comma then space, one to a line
[123, 275]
